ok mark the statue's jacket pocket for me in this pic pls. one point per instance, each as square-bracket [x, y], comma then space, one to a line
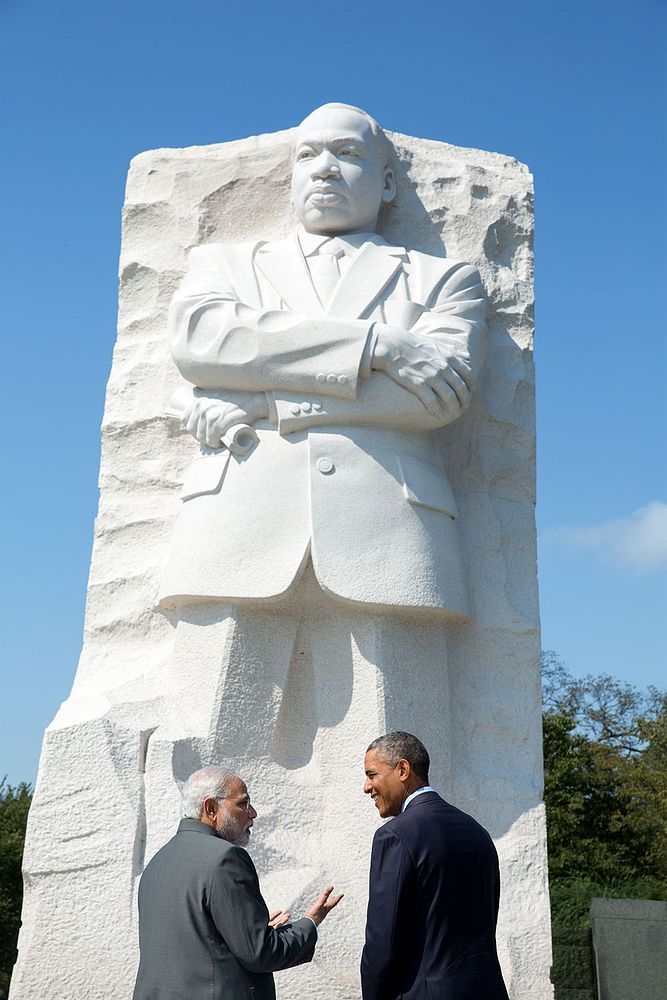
[425, 485]
[206, 473]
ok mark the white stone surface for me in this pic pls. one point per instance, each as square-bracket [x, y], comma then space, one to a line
[106, 797]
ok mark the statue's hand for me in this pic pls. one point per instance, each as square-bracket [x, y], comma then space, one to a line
[417, 363]
[208, 419]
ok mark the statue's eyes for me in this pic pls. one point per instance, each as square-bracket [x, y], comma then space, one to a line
[349, 151]
[305, 154]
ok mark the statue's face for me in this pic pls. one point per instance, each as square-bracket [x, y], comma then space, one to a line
[339, 179]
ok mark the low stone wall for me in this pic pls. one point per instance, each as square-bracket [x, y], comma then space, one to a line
[630, 942]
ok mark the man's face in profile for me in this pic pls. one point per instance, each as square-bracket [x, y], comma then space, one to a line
[235, 815]
[339, 178]
[383, 784]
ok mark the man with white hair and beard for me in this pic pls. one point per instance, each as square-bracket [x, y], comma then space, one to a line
[204, 928]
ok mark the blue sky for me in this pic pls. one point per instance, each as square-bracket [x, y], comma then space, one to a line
[574, 89]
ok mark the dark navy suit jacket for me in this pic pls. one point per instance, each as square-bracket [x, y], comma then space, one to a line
[432, 909]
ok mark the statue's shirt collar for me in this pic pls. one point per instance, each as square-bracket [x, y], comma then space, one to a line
[311, 243]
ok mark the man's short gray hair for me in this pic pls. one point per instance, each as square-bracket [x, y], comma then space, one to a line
[212, 782]
[382, 143]
[396, 746]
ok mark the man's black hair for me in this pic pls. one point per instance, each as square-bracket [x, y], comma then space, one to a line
[394, 746]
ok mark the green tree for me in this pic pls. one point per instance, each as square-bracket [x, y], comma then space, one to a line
[14, 806]
[603, 708]
[605, 761]
[605, 791]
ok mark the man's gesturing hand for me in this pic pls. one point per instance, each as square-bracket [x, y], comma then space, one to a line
[417, 364]
[278, 918]
[323, 905]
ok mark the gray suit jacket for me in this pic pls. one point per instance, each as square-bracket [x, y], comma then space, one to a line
[203, 925]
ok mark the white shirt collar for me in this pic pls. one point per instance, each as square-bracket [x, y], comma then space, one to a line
[311, 242]
[413, 795]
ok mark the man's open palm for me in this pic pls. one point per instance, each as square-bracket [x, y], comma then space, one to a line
[323, 905]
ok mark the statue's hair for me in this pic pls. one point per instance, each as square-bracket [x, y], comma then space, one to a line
[403, 746]
[382, 143]
[210, 782]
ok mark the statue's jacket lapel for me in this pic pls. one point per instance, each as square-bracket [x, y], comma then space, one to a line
[284, 266]
[372, 269]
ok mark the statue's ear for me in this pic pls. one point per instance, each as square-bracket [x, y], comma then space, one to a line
[389, 190]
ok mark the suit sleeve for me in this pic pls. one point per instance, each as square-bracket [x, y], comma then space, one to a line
[380, 402]
[391, 891]
[240, 915]
[218, 342]
[453, 321]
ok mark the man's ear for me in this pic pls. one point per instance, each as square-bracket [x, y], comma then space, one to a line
[404, 769]
[389, 190]
[210, 807]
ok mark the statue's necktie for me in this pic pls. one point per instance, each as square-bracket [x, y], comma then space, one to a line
[325, 270]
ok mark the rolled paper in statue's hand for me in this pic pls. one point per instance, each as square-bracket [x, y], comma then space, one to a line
[240, 439]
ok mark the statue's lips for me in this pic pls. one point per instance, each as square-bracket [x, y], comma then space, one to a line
[324, 195]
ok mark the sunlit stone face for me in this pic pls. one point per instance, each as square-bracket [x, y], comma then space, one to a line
[340, 178]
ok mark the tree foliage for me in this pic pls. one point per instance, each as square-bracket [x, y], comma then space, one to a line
[14, 805]
[605, 791]
[605, 758]
[602, 708]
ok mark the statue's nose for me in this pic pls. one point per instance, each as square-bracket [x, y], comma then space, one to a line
[326, 166]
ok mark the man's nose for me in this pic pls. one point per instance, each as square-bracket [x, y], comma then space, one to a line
[367, 786]
[252, 812]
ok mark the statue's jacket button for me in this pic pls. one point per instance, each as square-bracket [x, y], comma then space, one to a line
[325, 465]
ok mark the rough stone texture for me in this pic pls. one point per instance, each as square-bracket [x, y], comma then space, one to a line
[630, 942]
[106, 797]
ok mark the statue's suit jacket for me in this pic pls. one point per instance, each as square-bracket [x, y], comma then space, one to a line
[346, 468]
[204, 928]
[432, 908]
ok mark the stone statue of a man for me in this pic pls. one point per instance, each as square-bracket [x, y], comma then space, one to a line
[319, 585]
[316, 575]
[344, 353]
